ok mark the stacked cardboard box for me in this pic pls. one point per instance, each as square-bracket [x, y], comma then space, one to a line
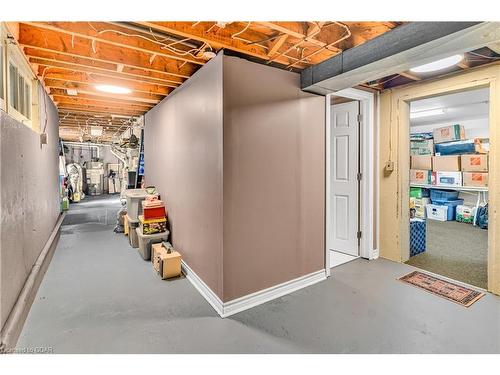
[154, 217]
[475, 170]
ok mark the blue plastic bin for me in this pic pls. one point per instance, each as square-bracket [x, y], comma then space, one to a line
[452, 206]
[447, 195]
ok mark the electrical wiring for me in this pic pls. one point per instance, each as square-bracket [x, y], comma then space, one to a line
[328, 46]
[161, 42]
[233, 36]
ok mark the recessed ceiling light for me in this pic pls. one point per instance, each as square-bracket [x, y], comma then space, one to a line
[427, 113]
[113, 89]
[438, 65]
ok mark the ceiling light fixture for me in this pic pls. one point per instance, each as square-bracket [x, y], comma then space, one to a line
[438, 65]
[113, 89]
[427, 113]
[209, 54]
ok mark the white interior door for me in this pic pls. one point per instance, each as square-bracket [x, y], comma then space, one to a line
[344, 185]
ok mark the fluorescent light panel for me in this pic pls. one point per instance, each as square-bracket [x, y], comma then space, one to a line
[428, 113]
[113, 89]
[438, 65]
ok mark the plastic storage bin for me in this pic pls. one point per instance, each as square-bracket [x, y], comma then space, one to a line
[449, 195]
[435, 212]
[452, 207]
[134, 199]
[133, 240]
[417, 236]
[147, 240]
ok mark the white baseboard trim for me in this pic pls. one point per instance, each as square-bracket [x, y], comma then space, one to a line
[225, 309]
[203, 288]
[266, 295]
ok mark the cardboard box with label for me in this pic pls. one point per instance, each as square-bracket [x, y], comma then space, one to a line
[446, 163]
[421, 162]
[451, 179]
[419, 206]
[420, 176]
[449, 133]
[479, 179]
[474, 163]
[422, 147]
[166, 264]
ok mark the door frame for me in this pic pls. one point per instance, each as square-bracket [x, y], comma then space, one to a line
[368, 150]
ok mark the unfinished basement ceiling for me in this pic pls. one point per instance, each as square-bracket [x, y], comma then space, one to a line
[153, 58]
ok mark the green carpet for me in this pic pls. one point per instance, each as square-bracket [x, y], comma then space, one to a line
[455, 250]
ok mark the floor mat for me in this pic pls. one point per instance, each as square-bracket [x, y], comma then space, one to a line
[453, 292]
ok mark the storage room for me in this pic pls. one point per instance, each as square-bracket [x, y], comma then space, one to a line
[449, 144]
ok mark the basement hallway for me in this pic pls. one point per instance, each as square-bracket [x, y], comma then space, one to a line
[99, 296]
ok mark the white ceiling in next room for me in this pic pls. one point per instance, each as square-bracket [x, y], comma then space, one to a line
[465, 105]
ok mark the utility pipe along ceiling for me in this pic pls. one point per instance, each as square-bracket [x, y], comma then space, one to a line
[108, 73]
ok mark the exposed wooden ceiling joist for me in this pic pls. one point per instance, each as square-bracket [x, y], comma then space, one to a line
[77, 77]
[217, 39]
[153, 58]
[90, 89]
[57, 60]
[51, 41]
[112, 35]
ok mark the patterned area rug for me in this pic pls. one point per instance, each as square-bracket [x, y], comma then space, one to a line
[453, 292]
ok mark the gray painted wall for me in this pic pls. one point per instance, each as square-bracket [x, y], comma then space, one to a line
[29, 199]
[183, 159]
[274, 178]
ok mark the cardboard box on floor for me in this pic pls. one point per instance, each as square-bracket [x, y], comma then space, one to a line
[421, 162]
[166, 264]
[479, 179]
[449, 133]
[446, 163]
[474, 163]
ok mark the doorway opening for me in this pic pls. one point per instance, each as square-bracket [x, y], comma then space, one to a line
[449, 145]
[351, 225]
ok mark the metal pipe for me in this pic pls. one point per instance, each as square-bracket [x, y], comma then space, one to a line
[88, 144]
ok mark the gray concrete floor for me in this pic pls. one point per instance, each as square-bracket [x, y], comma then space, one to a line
[99, 296]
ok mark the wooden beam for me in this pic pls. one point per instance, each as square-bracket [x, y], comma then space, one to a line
[92, 79]
[114, 36]
[218, 38]
[410, 76]
[64, 99]
[276, 46]
[64, 67]
[101, 110]
[79, 47]
[91, 90]
[296, 30]
[61, 92]
[85, 65]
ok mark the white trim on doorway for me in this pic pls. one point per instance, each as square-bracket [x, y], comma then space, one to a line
[368, 153]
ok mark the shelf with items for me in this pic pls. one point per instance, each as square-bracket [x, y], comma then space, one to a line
[471, 189]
